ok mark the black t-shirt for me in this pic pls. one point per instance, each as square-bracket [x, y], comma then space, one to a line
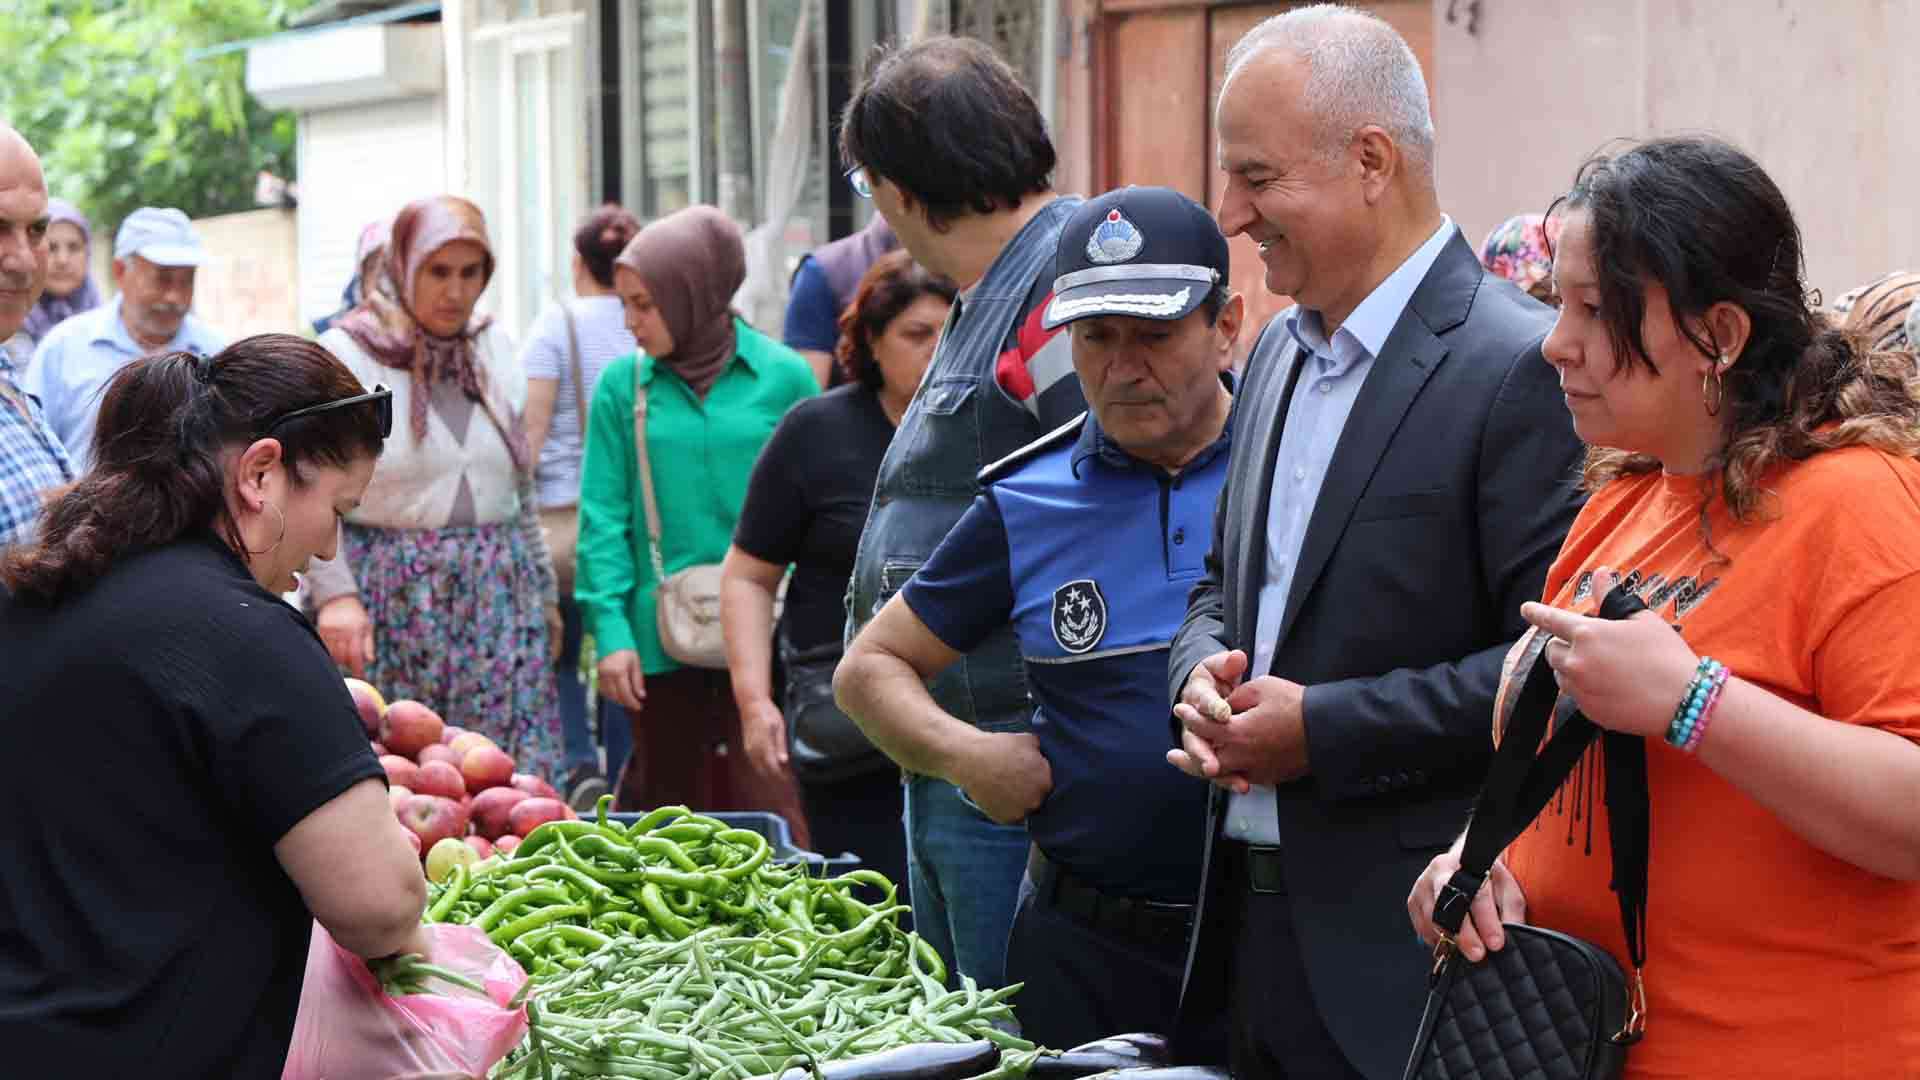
[807, 502]
[163, 730]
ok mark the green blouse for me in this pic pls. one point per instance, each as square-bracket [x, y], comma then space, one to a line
[702, 452]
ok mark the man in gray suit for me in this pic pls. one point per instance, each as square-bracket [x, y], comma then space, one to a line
[1403, 475]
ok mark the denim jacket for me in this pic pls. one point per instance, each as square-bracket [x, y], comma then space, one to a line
[959, 422]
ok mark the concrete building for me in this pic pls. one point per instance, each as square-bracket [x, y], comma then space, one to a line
[538, 109]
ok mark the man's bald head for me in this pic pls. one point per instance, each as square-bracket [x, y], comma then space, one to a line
[23, 230]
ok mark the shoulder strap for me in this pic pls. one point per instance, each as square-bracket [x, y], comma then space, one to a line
[579, 379]
[1519, 785]
[646, 473]
[1059, 436]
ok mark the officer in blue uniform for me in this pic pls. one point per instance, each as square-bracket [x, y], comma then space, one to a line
[1087, 542]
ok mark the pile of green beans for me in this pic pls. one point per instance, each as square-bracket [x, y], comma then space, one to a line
[573, 887]
[676, 948]
[720, 1005]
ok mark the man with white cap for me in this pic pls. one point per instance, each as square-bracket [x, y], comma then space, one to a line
[155, 255]
[1086, 542]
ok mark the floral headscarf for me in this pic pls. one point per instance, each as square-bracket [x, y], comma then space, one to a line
[385, 326]
[1517, 249]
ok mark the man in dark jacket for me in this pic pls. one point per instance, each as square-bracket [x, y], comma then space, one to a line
[1402, 476]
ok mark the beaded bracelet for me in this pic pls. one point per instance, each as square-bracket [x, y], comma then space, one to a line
[1693, 704]
[1706, 713]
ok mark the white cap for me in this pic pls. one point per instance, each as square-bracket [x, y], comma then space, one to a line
[161, 235]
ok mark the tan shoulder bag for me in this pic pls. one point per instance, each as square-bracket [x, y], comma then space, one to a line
[687, 602]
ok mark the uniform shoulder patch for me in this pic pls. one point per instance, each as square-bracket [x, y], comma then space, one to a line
[1054, 439]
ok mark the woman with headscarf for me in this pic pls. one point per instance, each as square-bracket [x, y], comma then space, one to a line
[715, 388]
[368, 262]
[1883, 312]
[70, 289]
[1517, 249]
[443, 591]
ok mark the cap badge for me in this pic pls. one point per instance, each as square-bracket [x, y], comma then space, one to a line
[1114, 240]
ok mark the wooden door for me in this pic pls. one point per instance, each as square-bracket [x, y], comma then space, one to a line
[1158, 70]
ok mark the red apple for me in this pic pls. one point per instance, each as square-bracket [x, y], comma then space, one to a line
[534, 786]
[481, 846]
[493, 810]
[530, 814]
[400, 771]
[398, 794]
[433, 819]
[439, 778]
[378, 750]
[467, 740]
[410, 727]
[450, 733]
[506, 844]
[370, 704]
[487, 767]
[439, 752]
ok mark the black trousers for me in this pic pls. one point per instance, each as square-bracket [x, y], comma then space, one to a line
[1083, 984]
[1277, 1031]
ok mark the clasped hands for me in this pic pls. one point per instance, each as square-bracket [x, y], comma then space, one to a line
[1237, 732]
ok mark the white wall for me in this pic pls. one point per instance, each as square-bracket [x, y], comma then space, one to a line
[1822, 92]
[358, 164]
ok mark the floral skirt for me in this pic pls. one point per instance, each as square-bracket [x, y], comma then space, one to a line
[459, 624]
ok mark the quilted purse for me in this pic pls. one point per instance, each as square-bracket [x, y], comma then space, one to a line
[1547, 1006]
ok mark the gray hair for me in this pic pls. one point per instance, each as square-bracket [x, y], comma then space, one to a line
[1359, 71]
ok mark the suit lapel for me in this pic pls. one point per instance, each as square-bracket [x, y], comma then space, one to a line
[1406, 361]
[1266, 418]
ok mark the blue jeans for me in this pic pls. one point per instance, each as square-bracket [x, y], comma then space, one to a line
[963, 872]
[576, 736]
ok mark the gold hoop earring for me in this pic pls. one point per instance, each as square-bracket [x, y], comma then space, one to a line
[283, 533]
[1713, 390]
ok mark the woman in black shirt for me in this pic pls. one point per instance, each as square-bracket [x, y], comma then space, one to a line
[806, 504]
[192, 787]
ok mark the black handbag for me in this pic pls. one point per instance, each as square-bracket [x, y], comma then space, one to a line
[823, 744]
[1547, 1005]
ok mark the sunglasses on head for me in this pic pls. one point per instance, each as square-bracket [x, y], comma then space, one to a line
[379, 396]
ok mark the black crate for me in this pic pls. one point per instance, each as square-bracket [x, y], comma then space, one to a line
[779, 835]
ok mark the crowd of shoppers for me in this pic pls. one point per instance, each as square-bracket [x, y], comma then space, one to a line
[1167, 689]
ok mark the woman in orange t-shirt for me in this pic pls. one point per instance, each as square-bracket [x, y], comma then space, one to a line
[1754, 481]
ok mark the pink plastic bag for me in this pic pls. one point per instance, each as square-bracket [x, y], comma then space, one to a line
[350, 1029]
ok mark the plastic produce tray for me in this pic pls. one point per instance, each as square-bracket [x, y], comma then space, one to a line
[775, 829]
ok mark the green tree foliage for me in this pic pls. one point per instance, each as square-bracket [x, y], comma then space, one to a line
[124, 115]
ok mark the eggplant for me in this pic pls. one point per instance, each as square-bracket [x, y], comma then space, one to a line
[1142, 1047]
[921, 1061]
[1167, 1072]
[1089, 1060]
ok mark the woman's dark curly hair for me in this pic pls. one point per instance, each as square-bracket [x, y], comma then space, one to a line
[890, 286]
[1705, 222]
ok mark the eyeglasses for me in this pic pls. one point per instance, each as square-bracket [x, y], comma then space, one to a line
[381, 397]
[862, 184]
